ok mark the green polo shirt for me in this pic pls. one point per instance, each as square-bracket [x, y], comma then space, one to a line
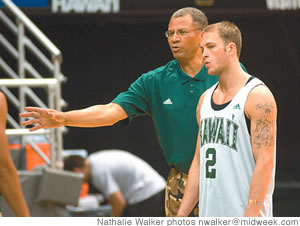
[170, 97]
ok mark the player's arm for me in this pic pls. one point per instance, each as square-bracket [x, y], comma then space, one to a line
[261, 109]
[118, 203]
[191, 192]
[9, 181]
[98, 115]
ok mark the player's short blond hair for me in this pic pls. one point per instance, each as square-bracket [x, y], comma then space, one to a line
[228, 32]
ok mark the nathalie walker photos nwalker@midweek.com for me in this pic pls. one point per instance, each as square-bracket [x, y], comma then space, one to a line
[143, 221]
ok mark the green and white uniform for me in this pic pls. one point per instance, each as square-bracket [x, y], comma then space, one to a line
[226, 158]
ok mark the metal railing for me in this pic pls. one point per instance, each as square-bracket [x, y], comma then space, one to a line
[26, 78]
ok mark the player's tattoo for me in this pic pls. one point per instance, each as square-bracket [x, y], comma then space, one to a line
[263, 132]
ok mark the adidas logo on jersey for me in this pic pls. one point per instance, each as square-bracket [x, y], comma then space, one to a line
[237, 107]
[168, 101]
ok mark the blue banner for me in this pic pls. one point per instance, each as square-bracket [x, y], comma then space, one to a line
[29, 3]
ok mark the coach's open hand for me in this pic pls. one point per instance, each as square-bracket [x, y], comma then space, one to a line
[42, 118]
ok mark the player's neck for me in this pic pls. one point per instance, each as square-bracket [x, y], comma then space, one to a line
[232, 79]
[229, 86]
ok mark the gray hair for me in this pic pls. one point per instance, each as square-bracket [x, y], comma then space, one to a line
[197, 15]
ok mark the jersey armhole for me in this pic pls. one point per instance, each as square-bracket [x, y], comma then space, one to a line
[248, 123]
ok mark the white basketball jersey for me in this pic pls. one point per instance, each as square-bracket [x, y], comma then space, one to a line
[226, 158]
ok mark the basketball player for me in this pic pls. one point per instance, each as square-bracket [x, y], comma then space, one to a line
[234, 162]
[10, 186]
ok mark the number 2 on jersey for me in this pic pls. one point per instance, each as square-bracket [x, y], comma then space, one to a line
[210, 162]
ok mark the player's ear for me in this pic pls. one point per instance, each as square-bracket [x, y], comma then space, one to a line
[231, 48]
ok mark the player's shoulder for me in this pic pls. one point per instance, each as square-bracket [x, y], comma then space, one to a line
[260, 93]
[2, 98]
[201, 99]
[3, 107]
[260, 98]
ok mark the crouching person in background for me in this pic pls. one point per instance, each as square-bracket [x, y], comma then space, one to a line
[131, 186]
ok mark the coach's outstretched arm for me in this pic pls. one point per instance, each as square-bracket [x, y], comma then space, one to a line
[95, 116]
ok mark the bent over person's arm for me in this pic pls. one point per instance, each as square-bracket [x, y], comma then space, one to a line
[10, 186]
[98, 115]
[261, 109]
[118, 203]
